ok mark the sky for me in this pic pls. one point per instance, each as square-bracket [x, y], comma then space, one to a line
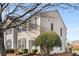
[71, 20]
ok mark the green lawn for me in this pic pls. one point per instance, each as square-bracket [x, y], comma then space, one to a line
[75, 49]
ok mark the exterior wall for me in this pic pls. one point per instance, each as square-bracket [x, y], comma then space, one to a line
[28, 36]
[59, 24]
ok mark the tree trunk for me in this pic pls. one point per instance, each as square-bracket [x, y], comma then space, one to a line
[2, 47]
[44, 50]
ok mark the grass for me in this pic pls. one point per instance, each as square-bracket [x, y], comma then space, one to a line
[75, 49]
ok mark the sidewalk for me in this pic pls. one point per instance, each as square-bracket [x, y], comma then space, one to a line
[62, 54]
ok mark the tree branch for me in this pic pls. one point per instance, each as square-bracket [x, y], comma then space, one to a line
[28, 18]
[5, 7]
[13, 10]
[24, 14]
[10, 14]
[3, 4]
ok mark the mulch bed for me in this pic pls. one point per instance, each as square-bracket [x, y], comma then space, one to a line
[55, 54]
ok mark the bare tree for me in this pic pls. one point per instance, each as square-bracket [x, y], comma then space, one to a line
[25, 11]
[22, 11]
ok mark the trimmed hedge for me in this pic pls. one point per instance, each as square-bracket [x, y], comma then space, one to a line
[34, 51]
[10, 50]
[25, 50]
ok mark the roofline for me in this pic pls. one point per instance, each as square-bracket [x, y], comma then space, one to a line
[61, 19]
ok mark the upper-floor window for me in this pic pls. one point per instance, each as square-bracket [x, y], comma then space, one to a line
[22, 28]
[60, 31]
[51, 26]
[9, 31]
[33, 24]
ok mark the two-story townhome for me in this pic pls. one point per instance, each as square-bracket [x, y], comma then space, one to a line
[25, 36]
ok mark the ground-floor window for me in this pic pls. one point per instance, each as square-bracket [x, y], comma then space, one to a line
[8, 44]
[22, 43]
[31, 44]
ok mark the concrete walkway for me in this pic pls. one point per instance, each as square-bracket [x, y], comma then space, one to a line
[62, 54]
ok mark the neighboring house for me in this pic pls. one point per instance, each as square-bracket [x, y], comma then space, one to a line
[26, 34]
[75, 47]
[75, 44]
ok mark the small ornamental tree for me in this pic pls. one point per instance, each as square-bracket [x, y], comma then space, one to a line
[47, 41]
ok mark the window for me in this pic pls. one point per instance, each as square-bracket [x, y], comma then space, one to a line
[31, 44]
[51, 26]
[22, 43]
[8, 44]
[60, 31]
[30, 25]
[9, 31]
[33, 24]
[19, 43]
[22, 28]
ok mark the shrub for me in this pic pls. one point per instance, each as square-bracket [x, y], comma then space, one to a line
[10, 51]
[25, 50]
[34, 51]
[74, 54]
[20, 52]
[7, 51]
[48, 40]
